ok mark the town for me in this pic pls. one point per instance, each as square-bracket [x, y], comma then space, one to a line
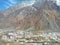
[28, 37]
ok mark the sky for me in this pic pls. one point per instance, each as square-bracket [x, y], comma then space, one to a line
[58, 2]
[4, 4]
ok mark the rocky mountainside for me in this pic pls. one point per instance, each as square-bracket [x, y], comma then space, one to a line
[43, 16]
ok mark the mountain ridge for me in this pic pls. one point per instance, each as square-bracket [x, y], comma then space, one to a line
[41, 16]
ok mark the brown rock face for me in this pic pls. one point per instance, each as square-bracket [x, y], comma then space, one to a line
[40, 16]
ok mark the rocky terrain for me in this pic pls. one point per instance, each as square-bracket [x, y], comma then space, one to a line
[43, 15]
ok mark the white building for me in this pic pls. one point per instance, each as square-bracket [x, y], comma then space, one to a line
[5, 38]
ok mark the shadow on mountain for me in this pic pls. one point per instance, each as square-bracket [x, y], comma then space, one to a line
[43, 16]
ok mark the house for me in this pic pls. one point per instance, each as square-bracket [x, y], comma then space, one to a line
[5, 38]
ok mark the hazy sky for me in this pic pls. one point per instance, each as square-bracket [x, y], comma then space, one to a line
[58, 2]
[4, 4]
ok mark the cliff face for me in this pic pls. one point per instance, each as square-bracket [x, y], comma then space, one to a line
[39, 16]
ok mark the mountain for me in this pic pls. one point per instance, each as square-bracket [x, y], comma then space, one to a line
[42, 15]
